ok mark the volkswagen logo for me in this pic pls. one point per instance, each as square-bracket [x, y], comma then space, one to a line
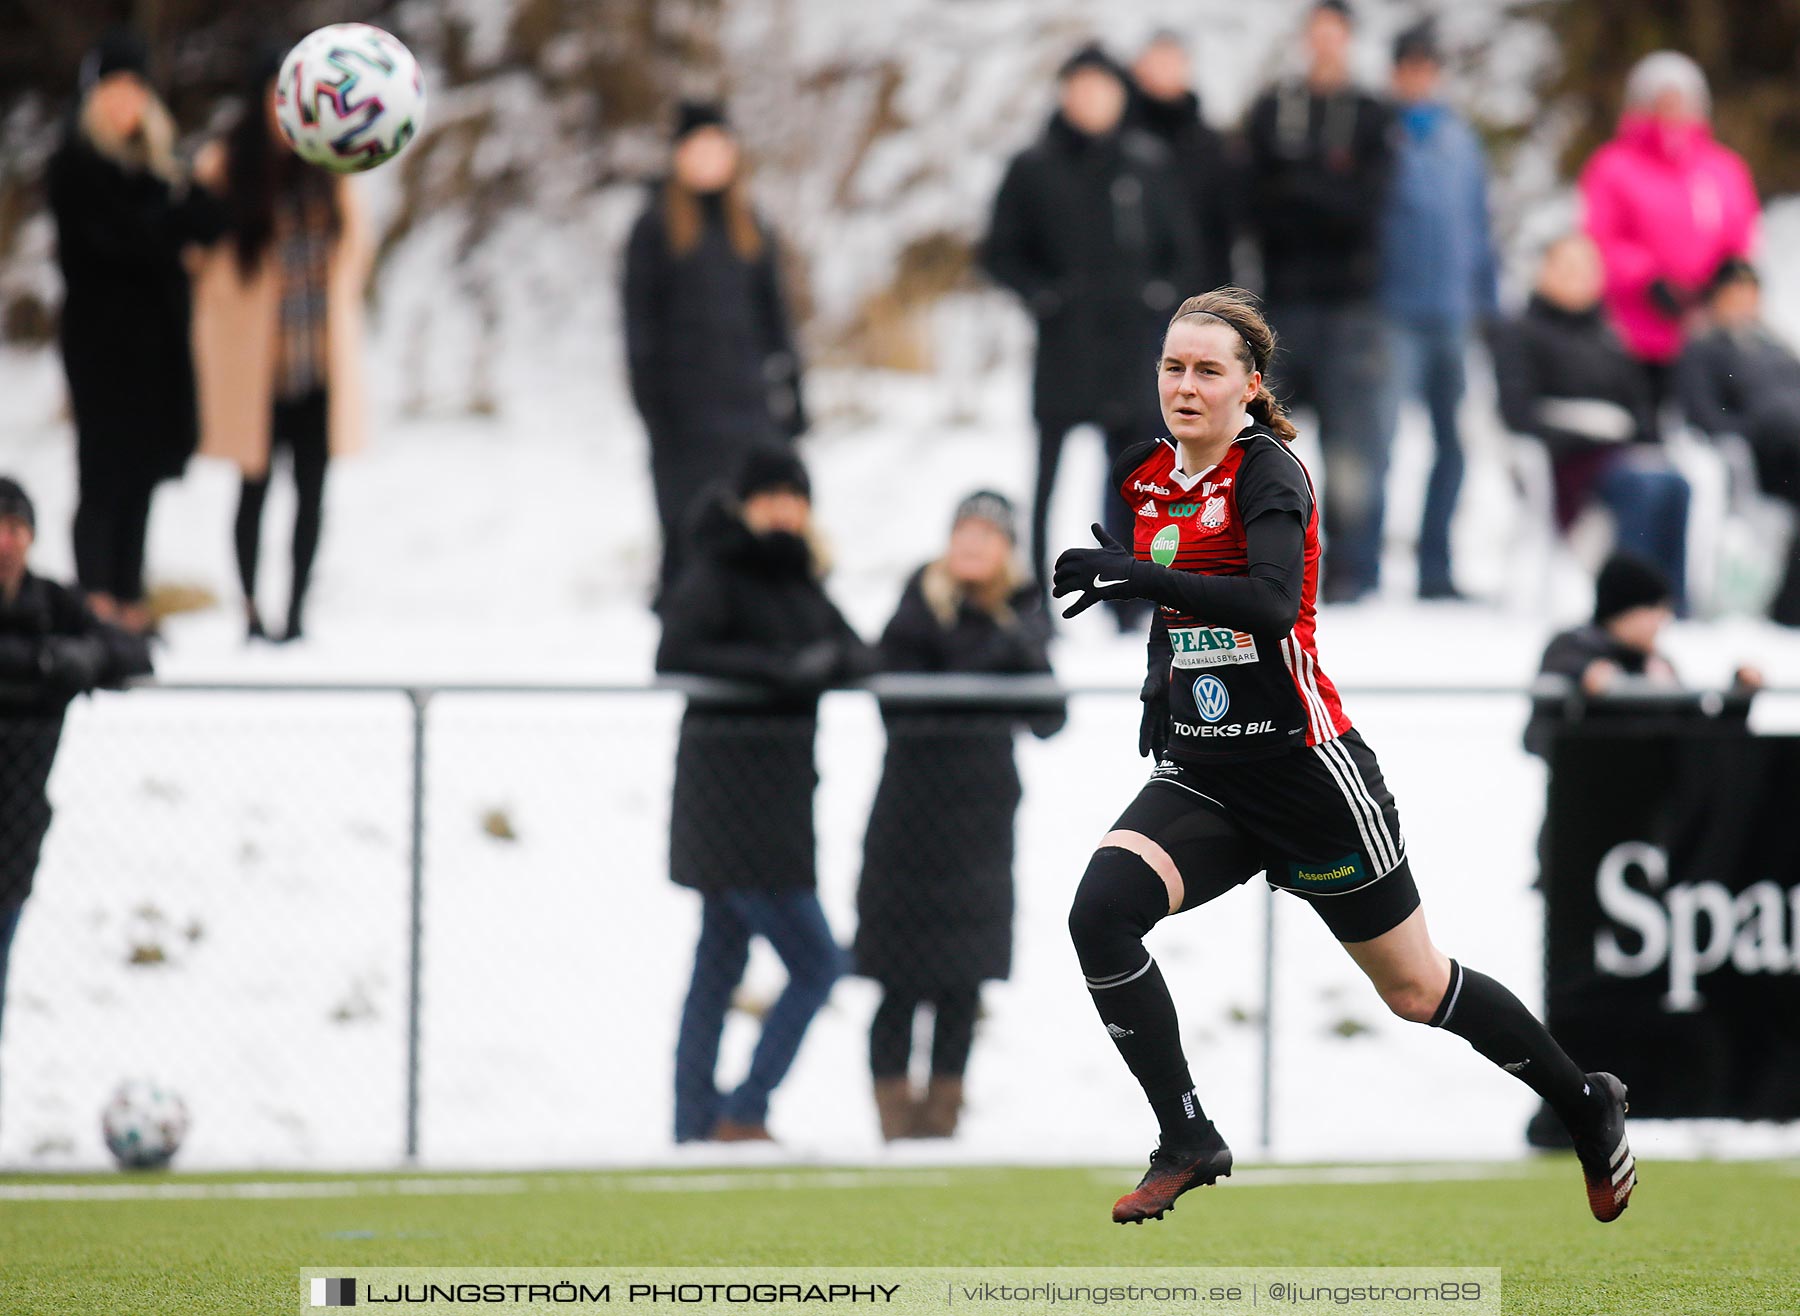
[1211, 698]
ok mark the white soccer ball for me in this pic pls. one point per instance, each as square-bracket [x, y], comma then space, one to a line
[349, 97]
[144, 1125]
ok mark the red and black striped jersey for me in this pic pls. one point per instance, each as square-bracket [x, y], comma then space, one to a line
[1232, 694]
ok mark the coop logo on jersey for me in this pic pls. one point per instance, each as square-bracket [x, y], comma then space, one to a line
[1166, 544]
[1211, 646]
[1211, 698]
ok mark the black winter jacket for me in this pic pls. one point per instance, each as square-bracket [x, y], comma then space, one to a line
[749, 608]
[1095, 237]
[1550, 356]
[1202, 165]
[710, 354]
[1569, 654]
[126, 310]
[1319, 169]
[1744, 382]
[51, 649]
[934, 909]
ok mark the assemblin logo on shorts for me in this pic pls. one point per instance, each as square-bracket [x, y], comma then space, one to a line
[1335, 872]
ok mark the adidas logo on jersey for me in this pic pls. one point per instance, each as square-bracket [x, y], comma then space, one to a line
[1148, 509]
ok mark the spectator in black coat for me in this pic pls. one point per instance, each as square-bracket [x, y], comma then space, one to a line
[123, 215]
[1738, 378]
[1092, 231]
[748, 607]
[1319, 162]
[1566, 380]
[1165, 105]
[935, 906]
[712, 362]
[52, 648]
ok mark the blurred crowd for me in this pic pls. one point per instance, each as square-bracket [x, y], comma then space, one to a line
[215, 308]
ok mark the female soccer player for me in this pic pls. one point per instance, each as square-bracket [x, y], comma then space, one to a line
[1257, 765]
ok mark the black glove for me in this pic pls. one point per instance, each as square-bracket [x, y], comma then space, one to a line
[1153, 730]
[1108, 572]
[813, 667]
[72, 664]
[1667, 298]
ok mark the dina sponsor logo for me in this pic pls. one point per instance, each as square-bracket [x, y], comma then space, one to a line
[1689, 929]
[1165, 546]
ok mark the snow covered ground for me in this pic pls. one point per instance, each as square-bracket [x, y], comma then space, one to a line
[260, 841]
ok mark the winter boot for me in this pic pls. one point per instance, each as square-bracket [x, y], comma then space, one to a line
[895, 1108]
[943, 1103]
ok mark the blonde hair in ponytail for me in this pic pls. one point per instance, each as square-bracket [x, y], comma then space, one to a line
[1236, 309]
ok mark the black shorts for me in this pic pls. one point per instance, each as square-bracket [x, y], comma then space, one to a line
[1318, 821]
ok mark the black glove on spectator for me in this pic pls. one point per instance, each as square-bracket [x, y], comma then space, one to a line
[1108, 572]
[813, 667]
[1665, 297]
[72, 664]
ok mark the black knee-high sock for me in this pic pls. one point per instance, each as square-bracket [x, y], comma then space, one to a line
[1496, 1023]
[1119, 900]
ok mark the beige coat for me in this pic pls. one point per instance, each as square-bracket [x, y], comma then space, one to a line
[234, 338]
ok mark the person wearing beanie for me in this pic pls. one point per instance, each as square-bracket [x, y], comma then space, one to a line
[935, 901]
[1739, 379]
[1439, 279]
[124, 217]
[1320, 161]
[711, 357]
[1092, 231]
[1665, 203]
[748, 607]
[52, 648]
[1633, 601]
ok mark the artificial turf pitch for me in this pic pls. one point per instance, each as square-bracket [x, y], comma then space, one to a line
[1698, 1238]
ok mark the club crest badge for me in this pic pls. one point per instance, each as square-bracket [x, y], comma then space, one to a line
[1212, 515]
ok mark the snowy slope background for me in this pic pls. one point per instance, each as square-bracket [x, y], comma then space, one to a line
[224, 900]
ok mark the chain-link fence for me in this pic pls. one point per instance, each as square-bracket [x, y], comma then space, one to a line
[350, 926]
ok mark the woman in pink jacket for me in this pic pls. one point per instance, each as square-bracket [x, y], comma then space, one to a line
[1666, 204]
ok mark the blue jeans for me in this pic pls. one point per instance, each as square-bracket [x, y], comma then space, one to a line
[1650, 505]
[794, 924]
[1336, 359]
[1428, 365]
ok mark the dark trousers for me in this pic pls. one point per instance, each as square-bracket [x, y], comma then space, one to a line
[112, 520]
[1335, 359]
[1428, 365]
[301, 426]
[9, 924]
[1649, 502]
[952, 1031]
[1774, 437]
[794, 924]
[1115, 515]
